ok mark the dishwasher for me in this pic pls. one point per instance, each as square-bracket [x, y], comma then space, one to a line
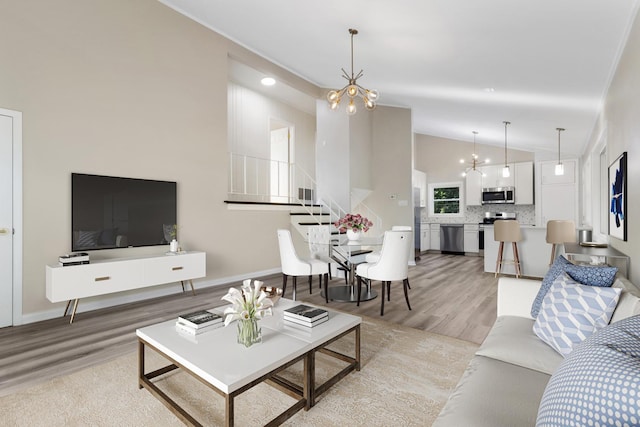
[452, 238]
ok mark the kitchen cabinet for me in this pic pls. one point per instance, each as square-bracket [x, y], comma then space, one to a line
[557, 195]
[523, 175]
[425, 237]
[473, 188]
[471, 242]
[419, 179]
[434, 237]
[492, 176]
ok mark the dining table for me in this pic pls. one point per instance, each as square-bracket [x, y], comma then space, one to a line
[348, 254]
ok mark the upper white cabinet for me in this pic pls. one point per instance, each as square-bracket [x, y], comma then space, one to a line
[523, 175]
[493, 176]
[557, 195]
[473, 188]
[420, 182]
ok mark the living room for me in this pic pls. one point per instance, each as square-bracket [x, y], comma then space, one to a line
[138, 90]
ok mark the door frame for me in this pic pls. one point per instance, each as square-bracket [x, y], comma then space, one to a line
[17, 212]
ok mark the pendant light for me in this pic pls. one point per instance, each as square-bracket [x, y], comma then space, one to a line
[352, 89]
[474, 163]
[559, 166]
[506, 172]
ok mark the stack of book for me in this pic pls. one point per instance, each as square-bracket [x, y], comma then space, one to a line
[198, 322]
[78, 258]
[305, 316]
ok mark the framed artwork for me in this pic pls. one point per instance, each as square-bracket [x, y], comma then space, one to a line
[618, 198]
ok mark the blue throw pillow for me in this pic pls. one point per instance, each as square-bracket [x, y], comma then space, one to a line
[593, 275]
[599, 382]
[555, 270]
[571, 312]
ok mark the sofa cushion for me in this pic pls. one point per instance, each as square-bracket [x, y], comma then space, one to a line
[599, 382]
[571, 312]
[601, 276]
[512, 340]
[493, 393]
[629, 303]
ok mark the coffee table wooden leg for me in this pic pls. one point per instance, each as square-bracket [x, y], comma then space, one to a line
[228, 417]
[309, 383]
[140, 363]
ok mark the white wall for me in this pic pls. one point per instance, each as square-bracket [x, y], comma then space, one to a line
[619, 128]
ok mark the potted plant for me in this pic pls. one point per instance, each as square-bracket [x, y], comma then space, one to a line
[353, 225]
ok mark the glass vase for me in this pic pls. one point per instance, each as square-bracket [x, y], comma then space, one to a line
[249, 332]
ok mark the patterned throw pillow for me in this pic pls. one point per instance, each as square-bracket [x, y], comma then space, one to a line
[555, 270]
[598, 384]
[591, 275]
[571, 312]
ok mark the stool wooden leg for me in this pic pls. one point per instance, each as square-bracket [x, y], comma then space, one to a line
[553, 253]
[499, 260]
[516, 259]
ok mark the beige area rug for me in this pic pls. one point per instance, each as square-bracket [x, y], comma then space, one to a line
[406, 377]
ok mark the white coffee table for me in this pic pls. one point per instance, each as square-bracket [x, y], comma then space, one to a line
[217, 360]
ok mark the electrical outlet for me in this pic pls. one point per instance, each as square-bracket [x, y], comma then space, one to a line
[393, 196]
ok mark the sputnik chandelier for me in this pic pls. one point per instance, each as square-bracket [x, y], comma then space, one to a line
[352, 89]
[474, 163]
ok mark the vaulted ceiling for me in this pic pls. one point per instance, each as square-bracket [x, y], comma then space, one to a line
[460, 65]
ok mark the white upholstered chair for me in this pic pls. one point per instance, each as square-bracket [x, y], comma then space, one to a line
[319, 238]
[560, 232]
[295, 267]
[393, 265]
[375, 256]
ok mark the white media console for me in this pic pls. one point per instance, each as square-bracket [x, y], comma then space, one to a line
[122, 274]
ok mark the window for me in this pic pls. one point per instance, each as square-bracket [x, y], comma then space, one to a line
[445, 199]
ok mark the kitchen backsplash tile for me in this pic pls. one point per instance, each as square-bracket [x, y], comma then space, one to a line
[525, 214]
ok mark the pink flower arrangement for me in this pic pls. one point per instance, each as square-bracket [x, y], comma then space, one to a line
[353, 222]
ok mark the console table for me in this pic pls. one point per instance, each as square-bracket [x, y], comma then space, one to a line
[103, 277]
[609, 253]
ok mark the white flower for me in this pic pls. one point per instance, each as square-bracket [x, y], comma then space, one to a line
[247, 303]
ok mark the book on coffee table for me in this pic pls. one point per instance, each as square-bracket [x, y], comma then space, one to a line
[199, 319]
[305, 313]
[289, 321]
[186, 329]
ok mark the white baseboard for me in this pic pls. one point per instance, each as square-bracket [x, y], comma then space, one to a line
[105, 301]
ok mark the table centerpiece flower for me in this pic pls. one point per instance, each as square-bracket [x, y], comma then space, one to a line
[249, 304]
[354, 225]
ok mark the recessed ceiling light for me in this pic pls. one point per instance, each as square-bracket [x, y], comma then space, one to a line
[268, 81]
[489, 89]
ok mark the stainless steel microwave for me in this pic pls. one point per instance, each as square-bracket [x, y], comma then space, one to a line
[498, 195]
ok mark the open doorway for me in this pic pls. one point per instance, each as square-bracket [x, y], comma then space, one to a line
[281, 141]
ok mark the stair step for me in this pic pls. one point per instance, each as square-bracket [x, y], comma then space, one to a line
[315, 223]
[309, 213]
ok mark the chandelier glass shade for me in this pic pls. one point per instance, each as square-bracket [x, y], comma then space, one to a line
[559, 167]
[352, 90]
[506, 172]
[475, 162]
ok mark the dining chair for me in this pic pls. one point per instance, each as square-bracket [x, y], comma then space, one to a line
[296, 267]
[319, 238]
[375, 256]
[393, 265]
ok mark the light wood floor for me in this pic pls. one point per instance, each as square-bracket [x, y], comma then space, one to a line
[450, 295]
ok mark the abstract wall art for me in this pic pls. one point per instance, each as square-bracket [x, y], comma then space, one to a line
[618, 198]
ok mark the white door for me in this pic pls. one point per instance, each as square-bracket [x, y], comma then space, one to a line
[6, 220]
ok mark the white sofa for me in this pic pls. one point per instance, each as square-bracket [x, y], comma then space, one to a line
[505, 380]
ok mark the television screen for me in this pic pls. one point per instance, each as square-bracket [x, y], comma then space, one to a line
[109, 212]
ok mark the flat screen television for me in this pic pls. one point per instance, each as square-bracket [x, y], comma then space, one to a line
[109, 212]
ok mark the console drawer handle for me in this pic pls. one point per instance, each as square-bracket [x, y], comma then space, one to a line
[102, 279]
[176, 268]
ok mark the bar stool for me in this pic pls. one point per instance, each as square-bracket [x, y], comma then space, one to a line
[559, 232]
[507, 231]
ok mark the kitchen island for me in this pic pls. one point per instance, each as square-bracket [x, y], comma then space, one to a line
[533, 249]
